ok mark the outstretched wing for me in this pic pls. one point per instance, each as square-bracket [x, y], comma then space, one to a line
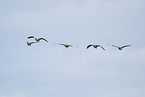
[58, 43]
[28, 43]
[101, 47]
[70, 45]
[115, 46]
[61, 44]
[66, 45]
[31, 37]
[32, 42]
[43, 39]
[126, 46]
[89, 46]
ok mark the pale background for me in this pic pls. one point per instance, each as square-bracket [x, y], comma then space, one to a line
[49, 70]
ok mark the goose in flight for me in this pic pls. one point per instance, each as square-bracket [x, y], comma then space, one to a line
[95, 46]
[30, 43]
[66, 45]
[120, 48]
[37, 39]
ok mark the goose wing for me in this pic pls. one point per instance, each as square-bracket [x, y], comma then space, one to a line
[64, 44]
[43, 39]
[58, 43]
[31, 37]
[61, 44]
[70, 45]
[115, 46]
[89, 46]
[126, 46]
[101, 47]
[32, 42]
[28, 43]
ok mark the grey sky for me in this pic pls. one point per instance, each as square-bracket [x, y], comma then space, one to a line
[46, 69]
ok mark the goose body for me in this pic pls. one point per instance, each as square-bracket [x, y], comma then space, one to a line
[30, 43]
[66, 45]
[95, 46]
[120, 48]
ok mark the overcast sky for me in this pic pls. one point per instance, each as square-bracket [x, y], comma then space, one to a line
[50, 70]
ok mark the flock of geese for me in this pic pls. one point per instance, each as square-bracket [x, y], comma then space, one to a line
[67, 45]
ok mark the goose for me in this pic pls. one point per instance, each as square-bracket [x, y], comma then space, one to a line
[95, 46]
[120, 48]
[37, 39]
[30, 43]
[66, 45]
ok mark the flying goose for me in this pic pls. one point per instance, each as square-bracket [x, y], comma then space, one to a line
[95, 46]
[37, 39]
[66, 45]
[120, 48]
[29, 43]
